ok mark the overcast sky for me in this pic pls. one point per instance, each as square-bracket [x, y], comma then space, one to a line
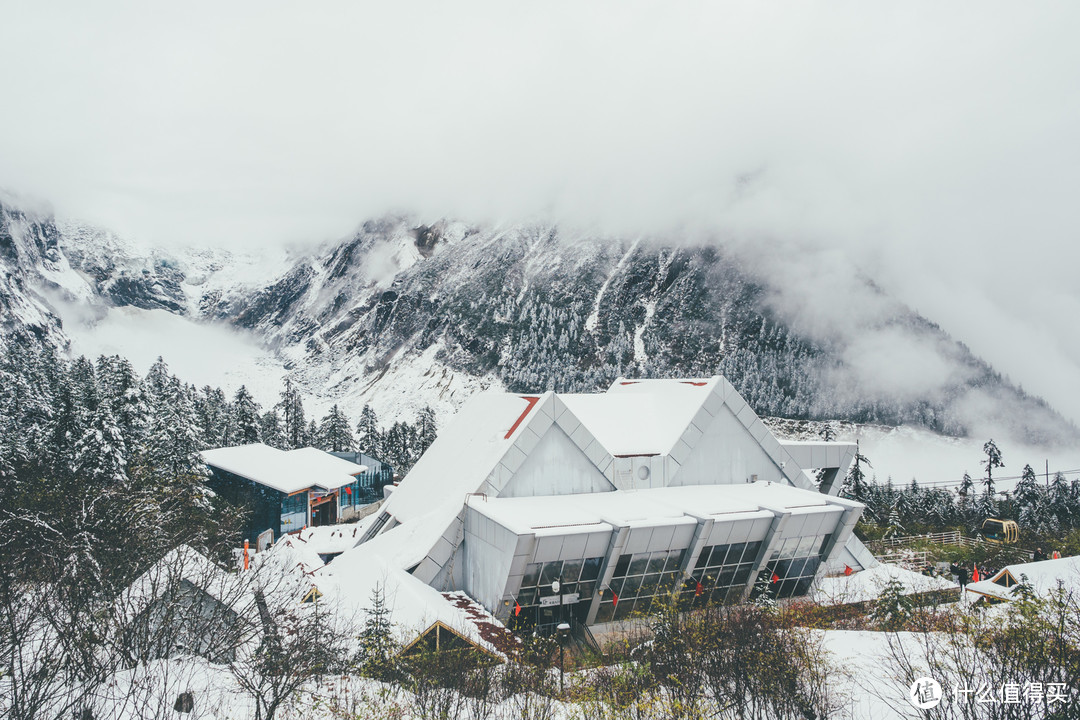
[932, 145]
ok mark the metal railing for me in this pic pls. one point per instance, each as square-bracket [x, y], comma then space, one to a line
[953, 537]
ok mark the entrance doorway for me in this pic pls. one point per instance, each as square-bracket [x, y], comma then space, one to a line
[324, 510]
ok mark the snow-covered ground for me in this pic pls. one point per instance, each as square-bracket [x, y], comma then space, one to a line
[200, 353]
[868, 584]
[904, 453]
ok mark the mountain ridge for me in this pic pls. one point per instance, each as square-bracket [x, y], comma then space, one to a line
[447, 308]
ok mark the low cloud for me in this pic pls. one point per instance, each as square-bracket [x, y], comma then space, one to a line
[930, 149]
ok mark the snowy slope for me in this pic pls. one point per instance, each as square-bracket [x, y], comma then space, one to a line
[404, 314]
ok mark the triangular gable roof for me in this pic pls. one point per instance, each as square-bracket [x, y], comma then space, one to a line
[185, 564]
[1043, 576]
[348, 583]
[705, 398]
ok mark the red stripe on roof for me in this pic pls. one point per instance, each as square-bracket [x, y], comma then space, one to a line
[695, 384]
[630, 382]
[532, 401]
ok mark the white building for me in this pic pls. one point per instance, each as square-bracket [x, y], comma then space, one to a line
[620, 496]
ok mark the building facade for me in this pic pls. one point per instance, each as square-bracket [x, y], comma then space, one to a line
[622, 498]
[285, 490]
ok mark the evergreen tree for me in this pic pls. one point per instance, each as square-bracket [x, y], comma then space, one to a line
[292, 413]
[335, 432]
[966, 486]
[122, 390]
[855, 482]
[174, 438]
[311, 435]
[213, 417]
[1028, 499]
[377, 651]
[100, 453]
[892, 609]
[367, 433]
[426, 431]
[157, 383]
[993, 460]
[67, 427]
[270, 429]
[245, 415]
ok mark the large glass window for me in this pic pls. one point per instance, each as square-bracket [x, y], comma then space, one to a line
[577, 576]
[791, 568]
[720, 573]
[638, 580]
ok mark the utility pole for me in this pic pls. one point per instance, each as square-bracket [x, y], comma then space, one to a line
[1048, 473]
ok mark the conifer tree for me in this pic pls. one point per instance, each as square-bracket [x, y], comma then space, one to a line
[367, 433]
[100, 453]
[426, 431]
[993, 460]
[855, 482]
[245, 416]
[377, 651]
[270, 429]
[122, 390]
[335, 433]
[292, 413]
[213, 417]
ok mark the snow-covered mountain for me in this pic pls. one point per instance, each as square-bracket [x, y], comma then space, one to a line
[405, 314]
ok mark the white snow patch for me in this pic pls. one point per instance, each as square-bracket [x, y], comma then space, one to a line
[201, 353]
[867, 585]
[594, 316]
[399, 392]
[640, 356]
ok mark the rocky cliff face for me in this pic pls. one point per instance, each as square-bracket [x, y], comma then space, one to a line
[405, 313]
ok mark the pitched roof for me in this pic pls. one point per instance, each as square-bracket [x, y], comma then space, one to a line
[350, 580]
[1043, 576]
[640, 417]
[286, 471]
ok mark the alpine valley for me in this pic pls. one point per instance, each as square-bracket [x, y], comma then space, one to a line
[407, 313]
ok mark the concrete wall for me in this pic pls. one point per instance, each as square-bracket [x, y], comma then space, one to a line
[488, 550]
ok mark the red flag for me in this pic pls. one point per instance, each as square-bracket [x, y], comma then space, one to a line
[848, 570]
[775, 578]
[975, 575]
[348, 491]
[614, 599]
[517, 608]
[697, 590]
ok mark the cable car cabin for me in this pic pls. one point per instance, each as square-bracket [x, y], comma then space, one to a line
[1003, 532]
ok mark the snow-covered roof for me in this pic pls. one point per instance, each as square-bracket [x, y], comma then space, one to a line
[465, 453]
[590, 512]
[644, 417]
[184, 564]
[287, 471]
[350, 580]
[867, 585]
[1043, 576]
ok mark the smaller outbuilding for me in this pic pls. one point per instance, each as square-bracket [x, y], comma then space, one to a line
[1043, 576]
[286, 490]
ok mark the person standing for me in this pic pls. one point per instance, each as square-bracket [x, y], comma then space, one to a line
[1038, 555]
[962, 576]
